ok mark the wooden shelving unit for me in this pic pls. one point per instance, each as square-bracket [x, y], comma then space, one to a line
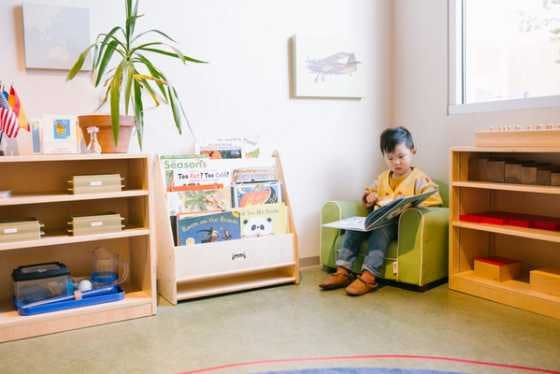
[39, 189]
[534, 248]
[214, 268]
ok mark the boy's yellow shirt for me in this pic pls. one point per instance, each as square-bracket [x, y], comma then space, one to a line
[416, 182]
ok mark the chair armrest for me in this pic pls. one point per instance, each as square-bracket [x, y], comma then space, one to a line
[423, 238]
[339, 209]
[333, 211]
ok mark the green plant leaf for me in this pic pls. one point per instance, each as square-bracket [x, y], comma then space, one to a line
[128, 73]
[138, 113]
[153, 31]
[144, 83]
[156, 73]
[104, 43]
[135, 16]
[171, 54]
[79, 63]
[183, 111]
[115, 101]
[104, 61]
[142, 46]
[174, 109]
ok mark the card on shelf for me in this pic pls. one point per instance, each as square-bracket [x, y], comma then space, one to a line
[59, 134]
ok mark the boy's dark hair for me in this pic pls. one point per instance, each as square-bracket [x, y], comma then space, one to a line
[390, 138]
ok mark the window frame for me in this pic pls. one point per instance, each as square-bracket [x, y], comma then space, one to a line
[456, 74]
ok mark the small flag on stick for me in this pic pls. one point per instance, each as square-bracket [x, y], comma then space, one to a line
[15, 104]
[8, 122]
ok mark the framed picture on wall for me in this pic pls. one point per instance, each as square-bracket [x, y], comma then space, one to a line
[328, 67]
[55, 35]
[59, 134]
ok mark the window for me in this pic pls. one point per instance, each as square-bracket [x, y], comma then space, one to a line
[504, 54]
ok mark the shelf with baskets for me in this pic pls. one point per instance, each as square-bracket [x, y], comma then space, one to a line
[39, 189]
[205, 269]
[534, 248]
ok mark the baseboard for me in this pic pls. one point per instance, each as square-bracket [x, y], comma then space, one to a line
[308, 262]
[412, 287]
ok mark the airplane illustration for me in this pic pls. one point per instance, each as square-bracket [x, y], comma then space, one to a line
[338, 64]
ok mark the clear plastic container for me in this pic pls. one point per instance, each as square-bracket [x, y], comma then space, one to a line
[40, 282]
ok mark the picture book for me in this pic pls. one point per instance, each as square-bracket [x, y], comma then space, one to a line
[256, 194]
[207, 228]
[198, 199]
[381, 216]
[234, 147]
[261, 220]
[254, 174]
[185, 170]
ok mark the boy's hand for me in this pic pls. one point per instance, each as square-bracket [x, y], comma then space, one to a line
[369, 199]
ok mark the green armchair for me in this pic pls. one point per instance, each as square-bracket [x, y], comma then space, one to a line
[418, 257]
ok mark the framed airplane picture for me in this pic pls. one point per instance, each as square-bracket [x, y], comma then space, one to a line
[328, 67]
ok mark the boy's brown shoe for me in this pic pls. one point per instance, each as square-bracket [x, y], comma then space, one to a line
[336, 280]
[360, 287]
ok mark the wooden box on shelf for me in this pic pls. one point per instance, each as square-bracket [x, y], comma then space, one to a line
[194, 271]
[544, 176]
[98, 224]
[95, 183]
[514, 172]
[545, 138]
[495, 268]
[29, 229]
[529, 174]
[545, 280]
[534, 245]
[50, 202]
[496, 171]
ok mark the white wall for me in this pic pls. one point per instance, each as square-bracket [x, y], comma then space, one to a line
[329, 147]
[420, 88]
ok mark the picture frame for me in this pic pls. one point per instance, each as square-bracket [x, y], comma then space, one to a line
[54, 35]
[59, 134]
[328, 67]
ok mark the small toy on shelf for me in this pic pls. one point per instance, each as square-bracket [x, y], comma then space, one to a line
[545, 280]
[496, 268]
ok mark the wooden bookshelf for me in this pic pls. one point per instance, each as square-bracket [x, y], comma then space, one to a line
[48, 200]
[188, 272]
[534, 248]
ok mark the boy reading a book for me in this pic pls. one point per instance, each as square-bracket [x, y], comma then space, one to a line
[401, 179]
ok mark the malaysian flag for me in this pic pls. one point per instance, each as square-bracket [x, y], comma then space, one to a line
[8, 118]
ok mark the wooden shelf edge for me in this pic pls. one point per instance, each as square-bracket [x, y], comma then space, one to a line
[508, 293]
[508, 187]
[72, 157]
[235, 273]
[14, 327]
[10, 317]
[546, 235]
[506, 149]
[56, 198]
[67, 239]
[229, 288]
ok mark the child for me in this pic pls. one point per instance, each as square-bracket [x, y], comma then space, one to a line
[401, 179]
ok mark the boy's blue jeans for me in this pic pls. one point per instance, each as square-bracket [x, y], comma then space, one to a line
[378, 242]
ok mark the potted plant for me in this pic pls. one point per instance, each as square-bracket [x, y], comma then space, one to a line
[122, 64]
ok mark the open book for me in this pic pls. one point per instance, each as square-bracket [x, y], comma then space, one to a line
[381, 216]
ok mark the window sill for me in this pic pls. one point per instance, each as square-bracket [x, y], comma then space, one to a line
[506, 105]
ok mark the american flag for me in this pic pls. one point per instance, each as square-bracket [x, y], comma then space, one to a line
[8, 119]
